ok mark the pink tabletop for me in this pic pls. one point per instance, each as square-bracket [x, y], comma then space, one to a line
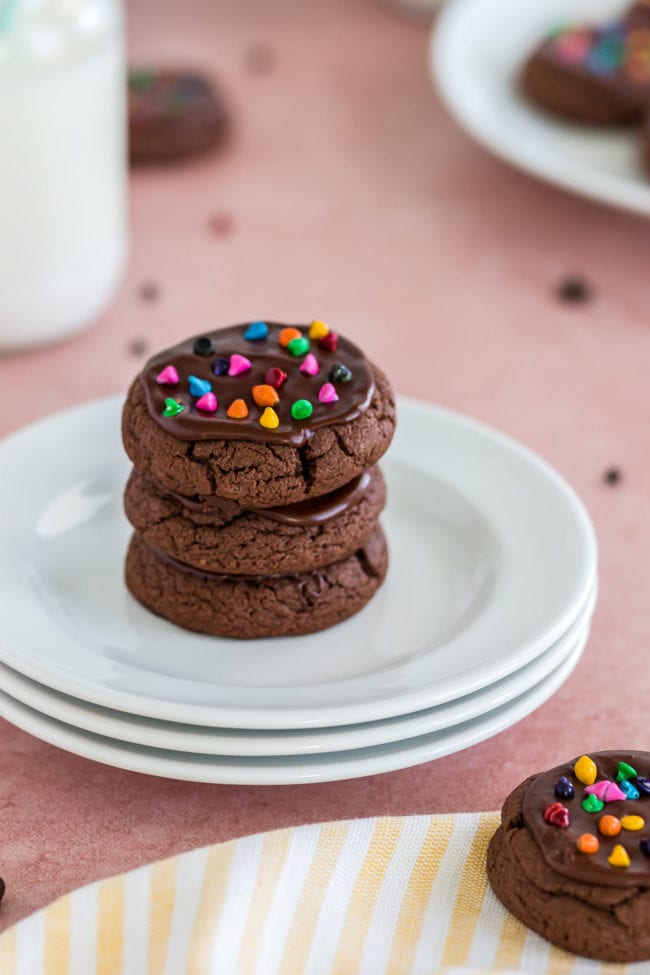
[347, 194]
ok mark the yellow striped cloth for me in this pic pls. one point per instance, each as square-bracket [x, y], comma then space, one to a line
[366, 897]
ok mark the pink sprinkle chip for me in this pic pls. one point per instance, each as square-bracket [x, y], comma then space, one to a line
[574, 46]
[327, 394]
[310, 365]
[238, 364]
[207, 403]
[168, 377]
[606, 791]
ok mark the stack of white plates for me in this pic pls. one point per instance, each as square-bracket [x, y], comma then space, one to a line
[484, 614]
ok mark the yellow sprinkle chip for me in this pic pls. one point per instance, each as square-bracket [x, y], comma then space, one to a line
[633, 822]
[318, 330]
[269, 419]
[585, 770]
[618, 857]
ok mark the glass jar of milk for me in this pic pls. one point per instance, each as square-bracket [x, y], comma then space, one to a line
[62, 165]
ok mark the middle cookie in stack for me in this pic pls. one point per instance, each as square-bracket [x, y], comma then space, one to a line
[249, 530]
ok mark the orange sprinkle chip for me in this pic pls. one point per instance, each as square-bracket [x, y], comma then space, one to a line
[588, 843]
[609, 825]
[265, 395]
[237, 410]
[287, 335]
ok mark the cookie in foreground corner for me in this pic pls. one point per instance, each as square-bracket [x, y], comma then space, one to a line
[571, 858]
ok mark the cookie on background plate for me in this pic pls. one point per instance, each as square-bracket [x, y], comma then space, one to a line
[638, 14]
[172, 114]
[262, 414]
[571, 858]
[599, 75]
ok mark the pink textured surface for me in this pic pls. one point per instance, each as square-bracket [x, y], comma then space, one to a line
[347, 194]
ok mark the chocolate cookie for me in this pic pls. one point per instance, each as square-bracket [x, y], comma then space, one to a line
[172, 114]
[216, 535]
[596, 75]
[638, 14]
[571, 858]
[249, 607]
[262, 414]
[645, 142]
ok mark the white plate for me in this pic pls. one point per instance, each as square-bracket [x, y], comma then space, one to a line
[476, 53]
[492, 557]
[330, 766]
[223, 741]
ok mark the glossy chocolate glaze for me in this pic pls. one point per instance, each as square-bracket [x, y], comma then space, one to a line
[315, 511]
[192, 424]
[558, 846]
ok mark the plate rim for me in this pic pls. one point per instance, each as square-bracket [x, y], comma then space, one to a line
[409, 725]
[570, 176]
[415, 750]
[374, 710]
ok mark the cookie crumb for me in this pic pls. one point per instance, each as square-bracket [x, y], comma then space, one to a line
[221, 224]
[613, 475]
[138, 346]
[259, 59]
[574, 291]
[149, 291]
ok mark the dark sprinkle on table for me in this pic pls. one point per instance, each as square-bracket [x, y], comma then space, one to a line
[574, 291]
[259, 58]
[149, 291]
[138, 347]
[221, 224]
[613, 475]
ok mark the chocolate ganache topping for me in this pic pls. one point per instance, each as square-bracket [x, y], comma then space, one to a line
[314, 511]
[316, 375]
[602, 807]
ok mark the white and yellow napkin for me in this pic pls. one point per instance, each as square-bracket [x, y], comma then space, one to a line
[391, 896]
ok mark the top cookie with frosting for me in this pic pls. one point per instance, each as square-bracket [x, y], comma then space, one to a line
[263, 413]
[259, 381]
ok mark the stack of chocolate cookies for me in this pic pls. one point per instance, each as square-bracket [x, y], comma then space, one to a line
[255, 495]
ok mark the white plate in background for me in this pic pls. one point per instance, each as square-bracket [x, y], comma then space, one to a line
[477, 49]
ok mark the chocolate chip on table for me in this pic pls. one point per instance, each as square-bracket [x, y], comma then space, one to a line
[574, 290]
[138, 347]
[613, 475]
[221, 224]
[149, 291]
[259, 58]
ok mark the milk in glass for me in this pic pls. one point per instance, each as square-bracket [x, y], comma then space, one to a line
[62, 165]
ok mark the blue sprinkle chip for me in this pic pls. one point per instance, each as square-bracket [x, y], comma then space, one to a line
[256, 332]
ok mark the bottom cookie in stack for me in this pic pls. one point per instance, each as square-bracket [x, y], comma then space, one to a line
[253, 606]
[211, 566]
